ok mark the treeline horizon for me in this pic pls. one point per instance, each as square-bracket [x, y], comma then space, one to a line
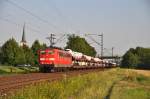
[11, 53]
[138, 58]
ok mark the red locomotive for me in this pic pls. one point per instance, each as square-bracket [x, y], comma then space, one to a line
[53, 59]
[50, 59]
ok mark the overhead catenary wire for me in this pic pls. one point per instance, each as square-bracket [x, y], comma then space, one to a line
[32, 14]
[61, 14]
[60, 38]
[92, 39]
[65, 18]
[54, 41]
[14, 23]
[101, 43]
[28, 22]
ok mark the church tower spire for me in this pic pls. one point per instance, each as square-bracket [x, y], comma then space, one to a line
[23, 41]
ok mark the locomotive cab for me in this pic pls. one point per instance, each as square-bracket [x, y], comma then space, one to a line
[50, 59]
[46, 59]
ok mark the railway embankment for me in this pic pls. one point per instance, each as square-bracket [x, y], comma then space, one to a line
[111, 84]
[14, 82]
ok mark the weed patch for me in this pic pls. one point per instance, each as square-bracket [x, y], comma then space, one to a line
[110, 84]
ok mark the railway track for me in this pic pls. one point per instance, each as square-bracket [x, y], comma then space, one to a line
[11, 83]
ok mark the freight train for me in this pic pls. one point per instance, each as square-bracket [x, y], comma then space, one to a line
[54, 59]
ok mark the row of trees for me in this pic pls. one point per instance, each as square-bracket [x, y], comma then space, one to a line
[137, 58]
[79, 44]
[13, 54]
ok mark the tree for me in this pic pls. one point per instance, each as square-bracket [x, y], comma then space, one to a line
[29, 56]
[144, 54]
[19, 57]
[130, 60]
[146, 61]
[35, 47]
[0, 55]
[11, 53]
[137, 58]
[79, 44]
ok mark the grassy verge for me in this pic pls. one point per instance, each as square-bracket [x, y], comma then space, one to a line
[5, 70]
[133, 86]
[110, 84]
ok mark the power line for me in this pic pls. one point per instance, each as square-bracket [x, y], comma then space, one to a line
[101, 42]
[14, 23]
[51, 39]
[60, 14]
[29, 23]
[54, 40]
[87, 35]
[110, 51]
[30, 13]
[107, 51]
[60, 39]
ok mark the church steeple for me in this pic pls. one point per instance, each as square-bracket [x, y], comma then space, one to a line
[23, 41]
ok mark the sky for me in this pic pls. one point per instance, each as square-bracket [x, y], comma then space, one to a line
[124, 23]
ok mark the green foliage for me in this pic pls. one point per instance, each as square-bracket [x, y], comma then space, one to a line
[5, 70]
[20, 57]
[29, 56]
[0, 55]
[137, 58]
[130, 60]
[11, 53]
[35, 47]
[135, 86]
[144, 54]
[79, 44]
[90, 86]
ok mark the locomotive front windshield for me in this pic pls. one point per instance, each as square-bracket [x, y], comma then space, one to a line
[42, 52]
[51, 52]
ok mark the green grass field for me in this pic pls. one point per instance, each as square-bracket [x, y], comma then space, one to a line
[111, 84]
[6, 70]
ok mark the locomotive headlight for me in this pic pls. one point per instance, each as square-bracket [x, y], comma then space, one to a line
[51, 59]
[42, 59]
